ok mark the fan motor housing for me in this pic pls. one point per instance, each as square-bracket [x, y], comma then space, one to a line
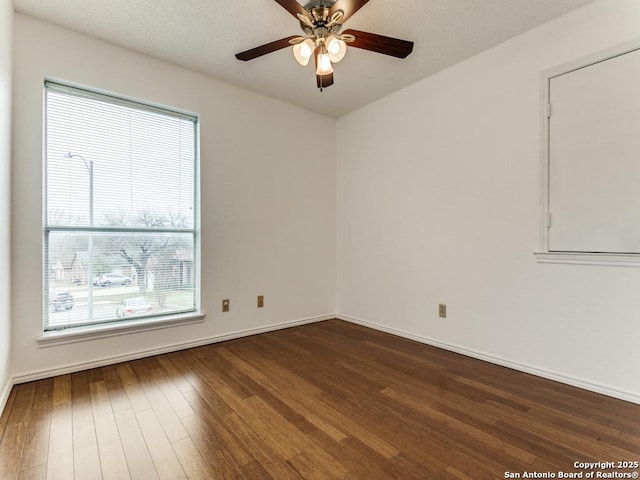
[318, 3]
[319, 14]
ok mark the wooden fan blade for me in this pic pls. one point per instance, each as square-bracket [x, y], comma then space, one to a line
[293, 7]
[380, 44]
[349, 7]
[324, 81]
[264, 49]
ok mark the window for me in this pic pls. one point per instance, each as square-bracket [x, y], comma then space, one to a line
[120, 216]
[592, 200]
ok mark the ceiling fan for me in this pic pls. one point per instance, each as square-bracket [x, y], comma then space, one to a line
[321, 21]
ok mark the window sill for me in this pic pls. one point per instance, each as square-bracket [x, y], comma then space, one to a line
[583, 258]
[95, 332]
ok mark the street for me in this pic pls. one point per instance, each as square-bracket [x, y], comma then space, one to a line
[102, 311]
[105, 302]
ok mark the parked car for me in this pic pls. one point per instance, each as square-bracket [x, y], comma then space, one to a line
[132, 306]
[60, 300]
[109, 279]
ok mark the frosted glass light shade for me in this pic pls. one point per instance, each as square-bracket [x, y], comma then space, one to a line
[337, 49]
[303, 51]
[324, 64]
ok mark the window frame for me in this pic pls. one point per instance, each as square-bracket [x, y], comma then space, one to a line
[542, 253]
[98, 329]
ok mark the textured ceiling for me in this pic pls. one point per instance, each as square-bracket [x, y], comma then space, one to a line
[204, 35]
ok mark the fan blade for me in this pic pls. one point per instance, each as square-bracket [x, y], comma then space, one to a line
[264, 49]
[349, 7]
[293, 7]
[380, 44]
[324, 81]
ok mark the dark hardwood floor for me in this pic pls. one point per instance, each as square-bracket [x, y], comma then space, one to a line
[328, 400]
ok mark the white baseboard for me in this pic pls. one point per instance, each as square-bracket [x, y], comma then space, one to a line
[539, 372]
[77, 367]
[4, 396]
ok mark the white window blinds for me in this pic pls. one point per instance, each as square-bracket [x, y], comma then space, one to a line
[120, 213]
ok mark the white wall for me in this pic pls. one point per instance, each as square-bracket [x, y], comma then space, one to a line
[6, 20]
[438, 192]
[268, 210]
[439, 202]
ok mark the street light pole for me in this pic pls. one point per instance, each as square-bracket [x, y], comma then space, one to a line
[89, 166]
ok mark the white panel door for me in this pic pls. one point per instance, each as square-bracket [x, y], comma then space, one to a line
[594, 157]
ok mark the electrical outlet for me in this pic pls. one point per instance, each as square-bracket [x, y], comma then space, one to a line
[225, 305]
[442, 310]
[260, 301]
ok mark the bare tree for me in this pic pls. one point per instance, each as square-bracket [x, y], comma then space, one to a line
[148, 252]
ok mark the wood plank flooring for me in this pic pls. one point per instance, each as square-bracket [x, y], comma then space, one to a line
[329, 400]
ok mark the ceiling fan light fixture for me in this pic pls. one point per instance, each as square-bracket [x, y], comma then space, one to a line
[337, 49]
[322, 21]
[303, 51]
